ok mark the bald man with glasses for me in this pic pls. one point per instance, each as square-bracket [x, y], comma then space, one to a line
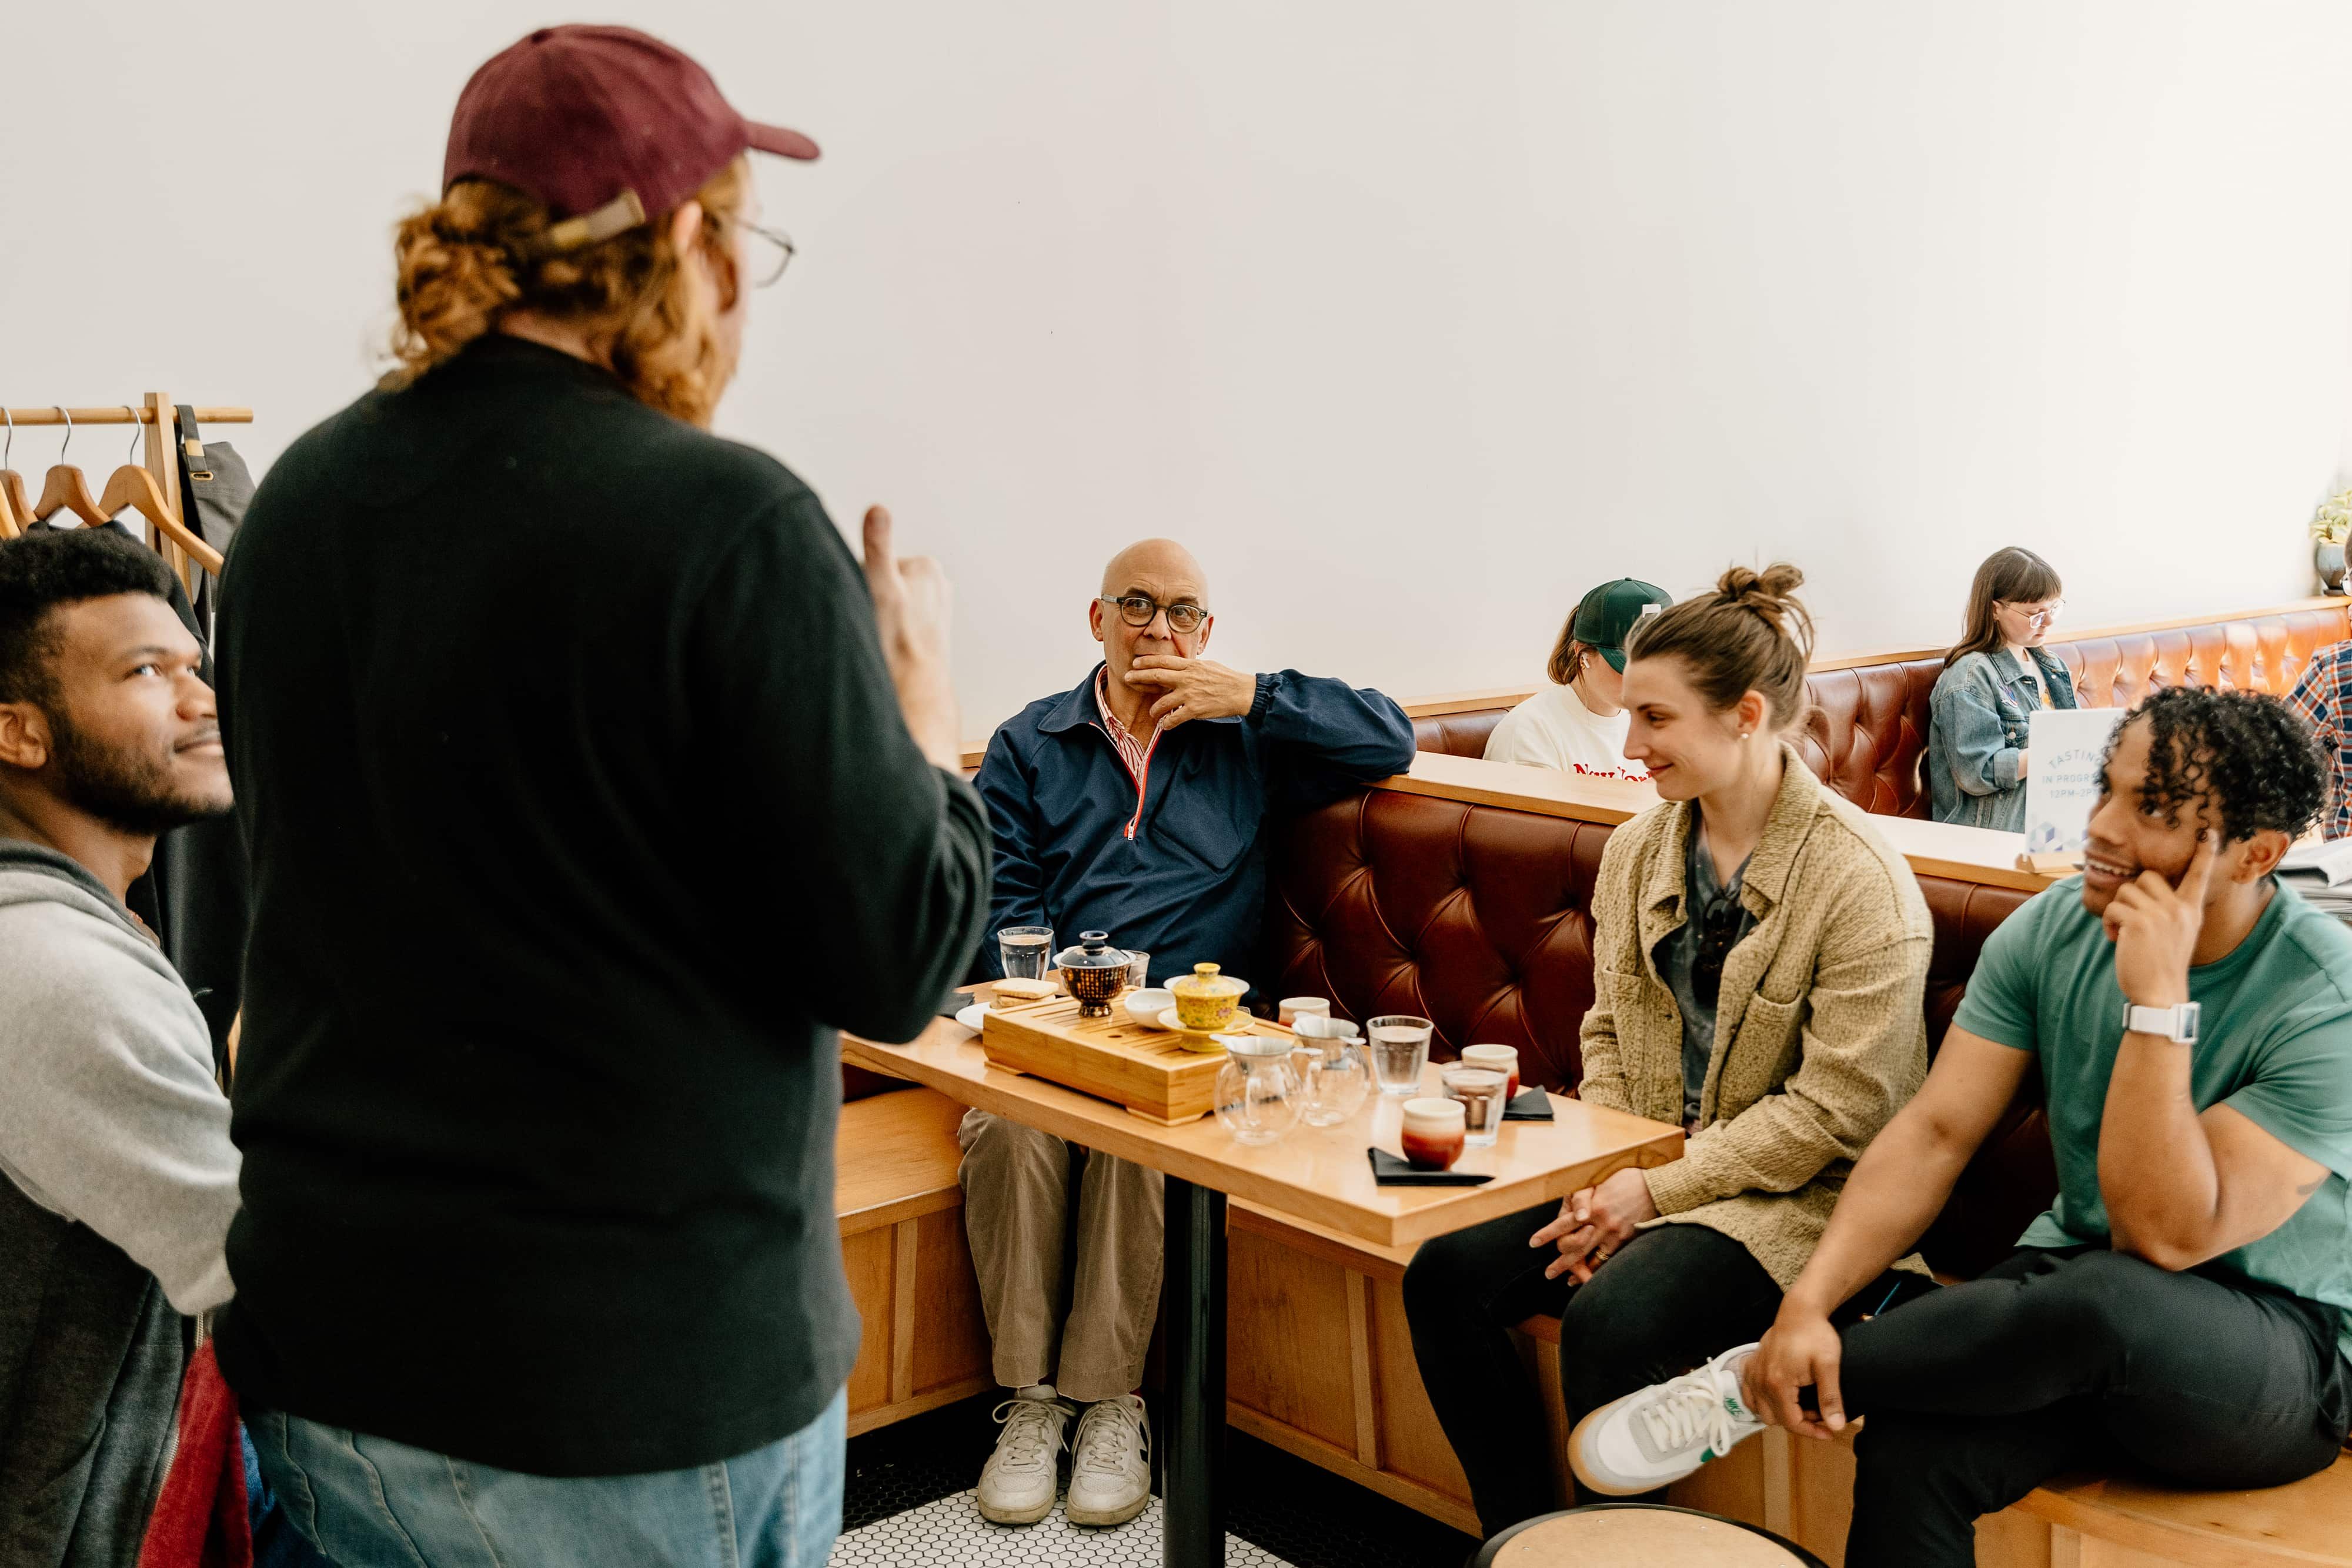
[1133, 804]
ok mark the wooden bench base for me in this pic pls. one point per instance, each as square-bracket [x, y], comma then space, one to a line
[902, 1242]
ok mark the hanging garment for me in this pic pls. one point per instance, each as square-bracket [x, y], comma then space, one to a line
[214, 489]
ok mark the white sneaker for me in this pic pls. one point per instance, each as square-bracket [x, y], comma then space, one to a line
[1110, 1470]
[1017, 1484]
[1658, 1435]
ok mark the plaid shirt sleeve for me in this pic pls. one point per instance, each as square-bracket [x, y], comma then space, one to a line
[2320, 697]
[2317, 695]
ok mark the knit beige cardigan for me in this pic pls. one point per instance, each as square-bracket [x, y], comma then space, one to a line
[1819, 1037]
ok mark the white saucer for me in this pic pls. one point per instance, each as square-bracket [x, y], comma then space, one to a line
[970, 1017]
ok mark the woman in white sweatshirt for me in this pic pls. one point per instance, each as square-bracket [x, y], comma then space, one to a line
[1576, 725]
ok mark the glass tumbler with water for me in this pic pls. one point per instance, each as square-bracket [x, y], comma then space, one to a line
[1027, 952]
[1400, 1050]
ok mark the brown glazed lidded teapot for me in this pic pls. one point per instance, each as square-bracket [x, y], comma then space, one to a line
[1094, 972]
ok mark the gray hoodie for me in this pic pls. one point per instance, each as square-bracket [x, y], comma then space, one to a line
[121, 1185]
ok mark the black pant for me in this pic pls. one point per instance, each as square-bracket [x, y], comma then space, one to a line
[2082, 1358]
[1671, 1297]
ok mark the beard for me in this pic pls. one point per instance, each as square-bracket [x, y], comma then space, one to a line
[128, 790]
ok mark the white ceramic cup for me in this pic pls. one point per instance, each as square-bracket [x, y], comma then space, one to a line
[1433, 1135]
[1290, 1007]
[1502, 1058]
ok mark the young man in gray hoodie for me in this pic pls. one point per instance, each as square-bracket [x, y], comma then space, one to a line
[120, 1179]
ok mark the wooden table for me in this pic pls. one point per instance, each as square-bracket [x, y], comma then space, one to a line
[1316, 1174]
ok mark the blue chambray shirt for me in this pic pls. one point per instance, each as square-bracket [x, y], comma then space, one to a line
[1976, 734]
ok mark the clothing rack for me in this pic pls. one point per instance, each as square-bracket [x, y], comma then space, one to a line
[155, 411]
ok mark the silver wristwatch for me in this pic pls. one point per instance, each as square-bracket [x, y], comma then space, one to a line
[2176, 1024]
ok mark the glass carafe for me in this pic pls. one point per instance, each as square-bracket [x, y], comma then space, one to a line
[1333, 1075]
[1257, 1093]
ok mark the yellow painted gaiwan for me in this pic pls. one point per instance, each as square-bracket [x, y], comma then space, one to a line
[1206, 1001]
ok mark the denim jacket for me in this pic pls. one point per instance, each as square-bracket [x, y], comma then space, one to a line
[1976, 734]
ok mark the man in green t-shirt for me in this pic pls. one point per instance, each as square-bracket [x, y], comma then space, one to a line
[2186, 1305]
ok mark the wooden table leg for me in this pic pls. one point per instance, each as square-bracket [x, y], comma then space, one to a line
[1193, 1420]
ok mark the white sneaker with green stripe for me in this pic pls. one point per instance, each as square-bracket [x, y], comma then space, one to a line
[1656, 1435]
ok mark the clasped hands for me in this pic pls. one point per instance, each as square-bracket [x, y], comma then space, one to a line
[1593, 1223]
[1191, 688]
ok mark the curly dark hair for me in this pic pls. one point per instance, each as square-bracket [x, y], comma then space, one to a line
[39, 574]
[2249, 754]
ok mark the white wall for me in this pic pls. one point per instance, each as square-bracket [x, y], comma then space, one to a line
[1415, 320]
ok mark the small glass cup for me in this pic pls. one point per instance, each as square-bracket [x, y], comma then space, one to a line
[1431, 1136]
[1288, 1011]
[1027, 952]
[1502, 1058]
[1481, 1094]
[1398, 1047]
[1138, 970]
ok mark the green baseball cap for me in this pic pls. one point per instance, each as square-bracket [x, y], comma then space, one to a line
[1607, 617]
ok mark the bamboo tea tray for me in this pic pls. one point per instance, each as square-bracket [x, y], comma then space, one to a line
[1148, 1071]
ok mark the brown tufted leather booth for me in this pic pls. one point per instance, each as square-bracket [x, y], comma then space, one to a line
[1458, 734]
[1478, 918]
[1867, 733]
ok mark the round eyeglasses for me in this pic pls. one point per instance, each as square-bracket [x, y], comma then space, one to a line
[766, 254]
[1137, 609]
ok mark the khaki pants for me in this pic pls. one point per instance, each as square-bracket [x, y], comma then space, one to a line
[1017, 1203]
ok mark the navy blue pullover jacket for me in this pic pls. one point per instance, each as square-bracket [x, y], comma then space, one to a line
[1177, 867]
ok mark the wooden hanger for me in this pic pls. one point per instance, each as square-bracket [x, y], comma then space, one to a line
[66, 489]
[132, 486]
[8, 528]
[12, 484]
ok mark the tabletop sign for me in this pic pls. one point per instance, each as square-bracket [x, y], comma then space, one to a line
[2065, 750]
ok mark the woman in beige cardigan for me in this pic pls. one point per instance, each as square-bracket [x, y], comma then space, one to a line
[1760, 955]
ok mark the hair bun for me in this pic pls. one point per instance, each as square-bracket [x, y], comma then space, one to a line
[1772, 595]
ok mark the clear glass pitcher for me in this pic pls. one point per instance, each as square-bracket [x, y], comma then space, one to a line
[1333, 1075]
[1258, 1092]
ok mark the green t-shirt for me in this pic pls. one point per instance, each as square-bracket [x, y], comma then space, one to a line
[2276, 1047]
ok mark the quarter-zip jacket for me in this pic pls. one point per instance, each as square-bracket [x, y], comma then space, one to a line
[1173, 861]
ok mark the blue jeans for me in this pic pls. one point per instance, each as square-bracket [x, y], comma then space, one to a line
[369, 1502]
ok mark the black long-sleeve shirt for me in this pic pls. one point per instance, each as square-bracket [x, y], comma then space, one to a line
[582, 815]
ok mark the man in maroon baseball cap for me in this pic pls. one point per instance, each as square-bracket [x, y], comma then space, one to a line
[560, 719]
[604, 125]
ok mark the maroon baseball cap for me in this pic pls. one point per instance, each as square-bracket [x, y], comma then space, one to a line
[587, 118]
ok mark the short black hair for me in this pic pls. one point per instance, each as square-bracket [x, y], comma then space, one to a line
[41, 572]
[2250, 755]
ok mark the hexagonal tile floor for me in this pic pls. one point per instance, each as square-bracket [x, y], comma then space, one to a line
[950, 1533]
[910, 1493]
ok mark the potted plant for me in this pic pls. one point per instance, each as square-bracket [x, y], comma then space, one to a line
[2329, 527]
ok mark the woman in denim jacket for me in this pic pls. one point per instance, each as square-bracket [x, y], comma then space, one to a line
[1992, 682]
